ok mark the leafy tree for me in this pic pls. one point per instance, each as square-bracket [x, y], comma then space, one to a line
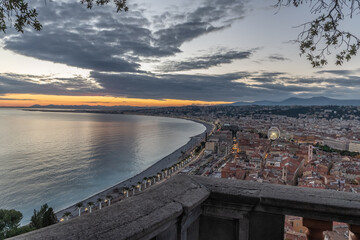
[44, 217]
[322, 35]
[19, 230]
[9, 221]
[49, 218]
[19, 14]
[120, 4]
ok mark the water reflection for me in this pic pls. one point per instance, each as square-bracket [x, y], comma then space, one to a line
[61, 158]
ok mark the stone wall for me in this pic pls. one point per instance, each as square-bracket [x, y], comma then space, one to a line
[201, 208]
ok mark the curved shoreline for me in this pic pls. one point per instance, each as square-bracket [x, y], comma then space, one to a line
[152, 170]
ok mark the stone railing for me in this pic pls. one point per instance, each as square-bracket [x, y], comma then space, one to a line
[199, 208]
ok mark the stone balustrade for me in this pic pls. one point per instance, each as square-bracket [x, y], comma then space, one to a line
[201, 208]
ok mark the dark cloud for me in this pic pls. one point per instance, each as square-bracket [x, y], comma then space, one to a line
[224, 87]
[173, 37]
[271, 75]
[113, 45]
[278, 57]
[338, 72]
[78, 37]
[352, 81]
[212, 15]
[102, 40]
[207, 61]
[16, 83]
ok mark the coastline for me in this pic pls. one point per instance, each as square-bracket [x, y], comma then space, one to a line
[152, 170]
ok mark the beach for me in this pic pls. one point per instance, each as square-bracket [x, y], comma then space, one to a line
[163, 163]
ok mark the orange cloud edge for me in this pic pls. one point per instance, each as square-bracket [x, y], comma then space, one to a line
[26, 100]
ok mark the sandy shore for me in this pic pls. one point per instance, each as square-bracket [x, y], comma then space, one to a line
[151, 171]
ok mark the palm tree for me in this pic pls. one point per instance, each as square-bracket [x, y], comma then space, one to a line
[133, 188]
[126, 191]
[79, 206]
[109, 198]
[90, 204]
[99, 200]
[67, 215]
[145, 180]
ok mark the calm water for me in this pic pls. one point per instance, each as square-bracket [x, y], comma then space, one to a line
[62, 158]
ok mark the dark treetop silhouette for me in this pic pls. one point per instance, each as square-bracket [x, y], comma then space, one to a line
[322, 35]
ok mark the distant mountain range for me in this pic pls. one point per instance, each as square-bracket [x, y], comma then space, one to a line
[294, 101]
[85, 107]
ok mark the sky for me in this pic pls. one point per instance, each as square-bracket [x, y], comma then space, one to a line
[166, 53]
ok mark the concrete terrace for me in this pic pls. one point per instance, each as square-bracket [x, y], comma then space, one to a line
[199, 208]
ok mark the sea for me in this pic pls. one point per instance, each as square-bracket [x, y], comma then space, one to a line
[61, 158]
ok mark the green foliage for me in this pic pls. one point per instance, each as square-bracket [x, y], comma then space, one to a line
[262, 135]
[79, 205]
[9, 221]
[326, 148]
[20, 230]
[42, 218]
[323, 35]
[19, 13]
[197, 149]
[200, 147]
[120, 4]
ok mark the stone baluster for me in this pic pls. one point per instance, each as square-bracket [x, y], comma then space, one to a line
[316, 228]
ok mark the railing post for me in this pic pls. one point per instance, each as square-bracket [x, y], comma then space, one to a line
[354, 233]
[316, 228]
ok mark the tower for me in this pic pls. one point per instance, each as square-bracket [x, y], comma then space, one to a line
[284, 173]
[310, 153]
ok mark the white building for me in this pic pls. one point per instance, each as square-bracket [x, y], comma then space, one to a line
[339, 144]
[354, 146]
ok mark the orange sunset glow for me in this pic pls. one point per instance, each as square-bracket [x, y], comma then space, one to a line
[26, 100]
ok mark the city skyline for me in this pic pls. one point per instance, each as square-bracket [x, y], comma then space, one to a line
[166, 53]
